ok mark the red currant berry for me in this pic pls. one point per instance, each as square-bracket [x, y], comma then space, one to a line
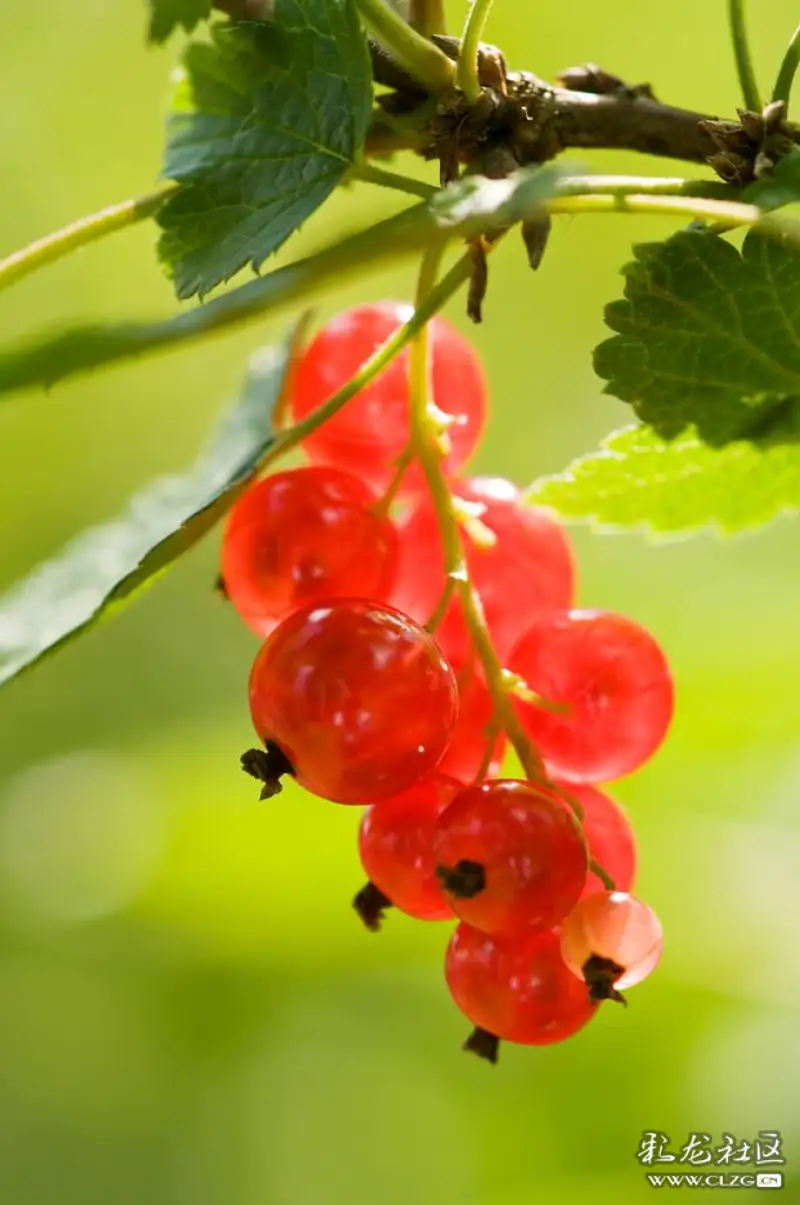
[395, 843]
[518, 558]
[303, 536]
[353, 698]
[372, 430]
[468, 746]
[609, 836]
[615, 682]
[510, 856]
[515, 987]
[611, 941]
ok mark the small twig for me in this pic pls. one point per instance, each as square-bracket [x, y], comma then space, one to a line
[744, 62]
[791, 61]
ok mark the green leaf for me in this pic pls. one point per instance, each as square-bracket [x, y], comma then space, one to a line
[781, 187]
[709, 337]
[167, 15]
[268, 118]
[464, 210]
[104, 567]
[637, 480]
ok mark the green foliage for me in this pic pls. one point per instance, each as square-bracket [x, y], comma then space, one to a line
[466, 209]
[267, 120]
[781, 187]
[101, 570]
[636, 479]
[709, 337]
[167, 15]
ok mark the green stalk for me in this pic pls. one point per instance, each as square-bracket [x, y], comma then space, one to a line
[467, 67]
[370, 174]
[423, 60]
[791, 61]
[427, 17]
[744, 61]
[79, 234]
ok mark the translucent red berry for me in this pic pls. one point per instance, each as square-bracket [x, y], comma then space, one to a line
[510, 856]
[609, 836]
[303, 536]
[615, 683]
[372, 430]
[467, 751]
[611, 940]
[353, 698]
[518, 558]
[516, 987]
[395, 844]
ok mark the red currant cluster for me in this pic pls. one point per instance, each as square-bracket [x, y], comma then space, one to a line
[340, 566]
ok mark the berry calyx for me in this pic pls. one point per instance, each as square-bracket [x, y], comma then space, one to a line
[518, 558]
[608, 834]
[515, 987]
[510, 856]
[616, 685]
[303, 536]
[369, 434]
[612, 941]
[395, 843]
[357, 697]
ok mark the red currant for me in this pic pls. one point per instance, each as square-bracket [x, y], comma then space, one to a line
[518, 558]
[303, 536]
[611, 941]
[510, 856]
[515, 987]
[395, 843]
[353, 698]
[372, 430]
[609, 836]
[468, 746]
[615, 682]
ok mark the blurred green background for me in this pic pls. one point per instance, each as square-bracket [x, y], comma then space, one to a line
[189, 1012]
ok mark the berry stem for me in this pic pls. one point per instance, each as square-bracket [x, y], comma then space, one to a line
[467, 66]
[603, 875]
[436, 298]
[424, 61]
[492, 733]
[384, 504]
[441, 607]
[426, 438]
[85, 230]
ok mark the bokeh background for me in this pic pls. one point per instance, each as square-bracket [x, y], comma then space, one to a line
[190, 1013]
